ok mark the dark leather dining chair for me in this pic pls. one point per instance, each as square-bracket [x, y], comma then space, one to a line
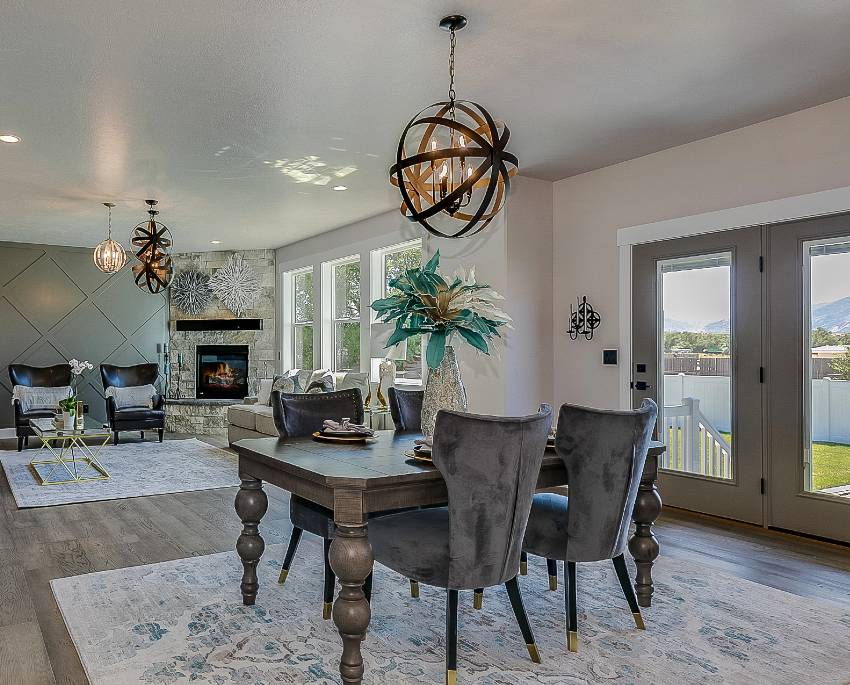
[490, 465]
[35, 377]
[604, 454]
[406, 408]
[133, 418]
[300, 415]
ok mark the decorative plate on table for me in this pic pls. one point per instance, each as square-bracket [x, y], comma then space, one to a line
[419, 455]
[341, 433]
[349, 438]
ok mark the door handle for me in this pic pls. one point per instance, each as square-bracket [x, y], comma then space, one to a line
[641, 385]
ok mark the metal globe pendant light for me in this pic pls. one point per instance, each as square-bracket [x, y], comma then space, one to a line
[109, 256]
[152, 240]
[452, 168]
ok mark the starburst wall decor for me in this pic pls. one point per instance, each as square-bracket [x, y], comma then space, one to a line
[236, 285]
[190, 292]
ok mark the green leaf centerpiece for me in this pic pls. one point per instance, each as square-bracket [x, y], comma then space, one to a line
[427, 303]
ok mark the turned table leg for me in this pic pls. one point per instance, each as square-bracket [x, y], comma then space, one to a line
[251, 504]
[643, 545]
[351, 560]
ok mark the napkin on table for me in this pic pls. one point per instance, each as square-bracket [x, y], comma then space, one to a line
[355, 428]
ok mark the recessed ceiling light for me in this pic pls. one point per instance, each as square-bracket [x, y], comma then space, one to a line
[9, 138]
[215, 242]
[340, 188]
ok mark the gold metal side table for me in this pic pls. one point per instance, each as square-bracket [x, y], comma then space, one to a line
[72, 460]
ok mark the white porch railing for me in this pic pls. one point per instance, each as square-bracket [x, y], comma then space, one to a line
[694, 445]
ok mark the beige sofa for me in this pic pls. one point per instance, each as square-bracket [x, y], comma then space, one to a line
[254, 418]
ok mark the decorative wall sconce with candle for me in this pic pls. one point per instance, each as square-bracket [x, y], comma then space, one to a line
[583, 319]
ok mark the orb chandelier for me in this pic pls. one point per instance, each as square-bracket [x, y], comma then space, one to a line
[452, 168]
[152, 240]
[109, 256]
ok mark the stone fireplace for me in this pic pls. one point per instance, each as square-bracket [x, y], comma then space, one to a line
[247, 346]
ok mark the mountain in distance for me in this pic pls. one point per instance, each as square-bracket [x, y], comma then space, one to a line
[833, 316]
[676, 326]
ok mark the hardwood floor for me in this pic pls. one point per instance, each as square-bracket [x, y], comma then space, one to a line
[37, 545]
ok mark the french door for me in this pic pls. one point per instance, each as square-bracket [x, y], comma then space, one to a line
[808, 365]
[697, 351]
[743, 339]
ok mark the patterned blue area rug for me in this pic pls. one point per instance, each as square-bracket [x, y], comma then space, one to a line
[136, 469]
[183, 622]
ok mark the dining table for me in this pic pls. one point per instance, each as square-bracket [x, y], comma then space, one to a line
[354, 480]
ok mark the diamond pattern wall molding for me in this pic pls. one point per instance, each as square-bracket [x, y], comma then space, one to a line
[56, 305]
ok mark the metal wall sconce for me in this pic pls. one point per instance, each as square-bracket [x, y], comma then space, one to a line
[583, 320]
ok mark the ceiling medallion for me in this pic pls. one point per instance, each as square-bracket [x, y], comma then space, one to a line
[452, 168]
[109, 256]
[152, 240]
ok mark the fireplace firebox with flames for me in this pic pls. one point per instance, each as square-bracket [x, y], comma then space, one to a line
[222, 372]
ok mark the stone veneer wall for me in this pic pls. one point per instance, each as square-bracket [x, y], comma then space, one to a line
[208, 418]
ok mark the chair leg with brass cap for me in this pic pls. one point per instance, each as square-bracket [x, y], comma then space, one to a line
[552, 567]
[330, 584]
[414, 589]
[451, 637]
[478, 598]
[523, 564]
[514, 594]
[628, 590]
[294, 539]
[570, 599]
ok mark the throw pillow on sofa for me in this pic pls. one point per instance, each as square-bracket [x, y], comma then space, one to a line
[352, 379]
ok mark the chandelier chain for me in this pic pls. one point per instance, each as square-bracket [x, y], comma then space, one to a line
[109, 222]
[452, 42]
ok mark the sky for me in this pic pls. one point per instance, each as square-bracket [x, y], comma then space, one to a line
[830, 277]
[698, 296]
[701, 296]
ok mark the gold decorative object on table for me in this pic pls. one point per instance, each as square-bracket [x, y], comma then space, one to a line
[72, 460]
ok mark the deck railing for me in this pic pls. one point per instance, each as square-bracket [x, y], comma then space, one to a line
[694, 445]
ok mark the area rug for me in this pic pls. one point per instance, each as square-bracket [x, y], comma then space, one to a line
[182, 622]
[136, 469]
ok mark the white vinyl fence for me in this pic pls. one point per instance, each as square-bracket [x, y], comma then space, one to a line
[830, 403]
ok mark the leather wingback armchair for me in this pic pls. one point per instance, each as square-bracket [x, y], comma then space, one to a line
[133, 418]
[35, 377]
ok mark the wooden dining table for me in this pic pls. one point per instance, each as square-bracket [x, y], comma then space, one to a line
[355, 480]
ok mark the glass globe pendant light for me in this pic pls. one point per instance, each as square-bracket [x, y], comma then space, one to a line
[109, 256]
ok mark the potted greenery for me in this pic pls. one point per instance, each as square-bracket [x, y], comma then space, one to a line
[69, 404]
[426, 303]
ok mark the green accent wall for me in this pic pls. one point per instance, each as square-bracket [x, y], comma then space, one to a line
[56, 305]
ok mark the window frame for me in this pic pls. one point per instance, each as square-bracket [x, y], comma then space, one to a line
[290, 325]
[329, 318]
[378, 290]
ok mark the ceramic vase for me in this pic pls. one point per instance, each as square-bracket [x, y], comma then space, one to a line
[67, 420]
[443, 390]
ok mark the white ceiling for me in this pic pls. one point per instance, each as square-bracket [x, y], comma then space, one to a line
[194, 102]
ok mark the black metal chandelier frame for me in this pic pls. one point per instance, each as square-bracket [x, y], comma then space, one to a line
[416, 176]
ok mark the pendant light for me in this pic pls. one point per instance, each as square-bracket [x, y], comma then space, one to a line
[452, 168]
[152, 239]
[109, 256]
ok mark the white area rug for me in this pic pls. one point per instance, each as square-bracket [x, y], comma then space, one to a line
[136, 469]
[183, 622]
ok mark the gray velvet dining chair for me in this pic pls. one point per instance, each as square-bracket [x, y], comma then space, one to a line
[490, 465]
[300, 415]
[406, 408]
[604, 454]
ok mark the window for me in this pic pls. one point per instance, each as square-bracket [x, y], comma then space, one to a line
[345, 310]
[302, 320]
[392, 262]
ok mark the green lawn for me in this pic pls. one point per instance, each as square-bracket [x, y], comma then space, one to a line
[830, 463]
